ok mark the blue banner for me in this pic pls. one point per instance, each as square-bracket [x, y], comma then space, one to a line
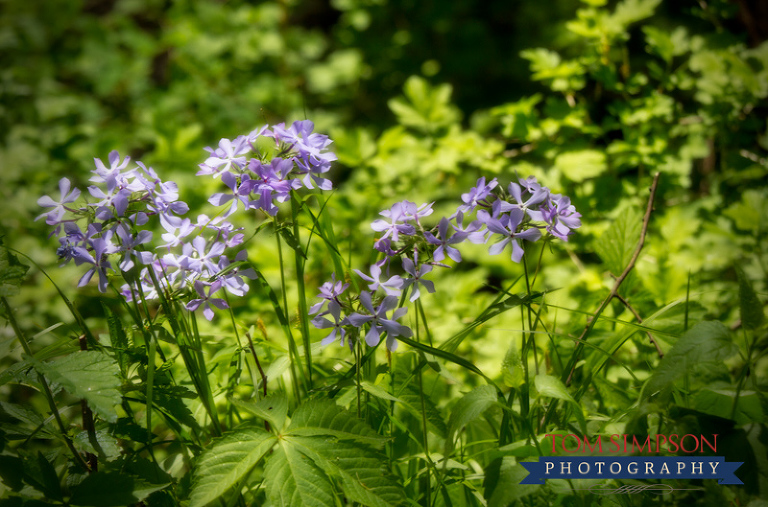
[632, 467]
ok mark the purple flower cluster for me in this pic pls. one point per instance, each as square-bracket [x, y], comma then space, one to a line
[300, 159]
[192, 255]
[504, 219]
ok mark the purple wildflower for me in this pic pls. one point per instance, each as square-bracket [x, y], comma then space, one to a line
[205, 298]
[379, 322]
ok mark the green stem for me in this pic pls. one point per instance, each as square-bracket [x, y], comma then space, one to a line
[293, 351]
[299, 256]
[46, 388]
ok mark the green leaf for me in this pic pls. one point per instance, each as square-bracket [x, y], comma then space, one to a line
[112, 489]
[88, 375]
[468, 408]
[12, 273]
[226, 462]
[424, 106]
[618, 243]
[292, 242]
[412, 399]
[706, 342]
[581, 165]
[293, 479]
[323, 417]
[40, 474]
[118, 338]
[553, 387]
[720, 402]
[324, 449]
[752, 314]
[272, 408]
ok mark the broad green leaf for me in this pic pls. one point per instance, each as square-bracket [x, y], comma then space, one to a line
[273, 409]
[720, 402]
[706, 342]
[323, 417]
[226, 462]
[112, 489]
[102, 444]
[88, 375]
[468, 408]
[618, 243]
[293, 479]
[752, 314]
[324, 449]
[12, 273]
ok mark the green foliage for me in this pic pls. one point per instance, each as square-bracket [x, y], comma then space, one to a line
[705, 345]
[324, 449]
[12, 273]
[88, 375]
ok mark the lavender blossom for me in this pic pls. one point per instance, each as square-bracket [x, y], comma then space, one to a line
[379, 322]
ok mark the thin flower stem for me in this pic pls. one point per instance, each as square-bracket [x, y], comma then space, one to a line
[299, 256]
[44, 383]
[293, 352]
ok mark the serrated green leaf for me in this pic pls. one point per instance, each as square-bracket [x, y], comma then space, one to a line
[226, 462]
[293, 479]
[706, 342]
[470, 407]
[88, 375]
[752, 314]
[103, 445]
[360, 470]
[323, 417]
[272, 408]
[12, 273]
[618, 243]
[118, 338]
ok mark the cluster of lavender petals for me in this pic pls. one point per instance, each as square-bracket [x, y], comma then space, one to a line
[504, 219]
[261, 181]
[192, 254]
